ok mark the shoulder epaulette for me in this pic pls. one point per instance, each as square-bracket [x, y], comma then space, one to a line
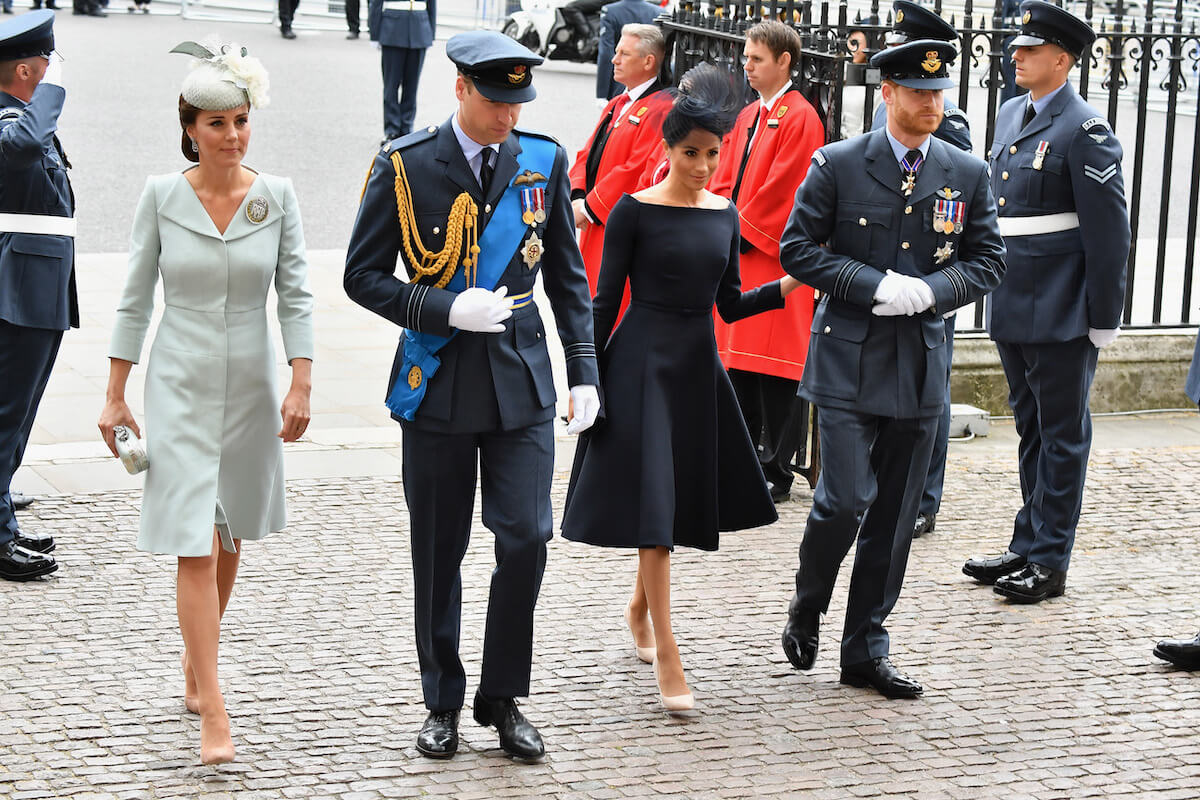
[955, 112]
[409, 139]
[818, 158]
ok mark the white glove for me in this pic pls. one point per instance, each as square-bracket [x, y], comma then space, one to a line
[1103, 337]
[924, 293]
[900, 294]
[585, 405]
[481, 311]
[54, 72]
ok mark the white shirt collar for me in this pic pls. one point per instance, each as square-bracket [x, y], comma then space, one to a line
[470, 148]
[771, 103]
[640, 89]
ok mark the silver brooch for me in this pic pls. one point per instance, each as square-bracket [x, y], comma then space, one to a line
[256, 209]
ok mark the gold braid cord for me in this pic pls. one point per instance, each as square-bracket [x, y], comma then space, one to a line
[462, 223]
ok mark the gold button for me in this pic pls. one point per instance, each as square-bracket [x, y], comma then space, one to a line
[1012, 149]
[904, 245]
[1004, 175]
[908, 209]
[1000, 201]
[862, 221]
[828, 329]
[487, 209]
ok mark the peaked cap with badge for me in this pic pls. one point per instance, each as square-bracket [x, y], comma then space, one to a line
[28, 35]
[501, 68]
[911, 22]
[1046, 23]
[920, 64]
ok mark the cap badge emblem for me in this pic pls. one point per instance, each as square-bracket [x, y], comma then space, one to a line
[1028, 16]
[517, 75]
[256, 209]
[899, 17]
[932, 62]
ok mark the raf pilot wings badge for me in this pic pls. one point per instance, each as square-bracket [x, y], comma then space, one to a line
[530, 178]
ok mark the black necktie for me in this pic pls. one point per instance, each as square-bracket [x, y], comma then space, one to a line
[485, 169]
[1030, 113]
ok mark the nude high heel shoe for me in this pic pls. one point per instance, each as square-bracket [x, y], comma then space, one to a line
[645, 654]
[678, 702]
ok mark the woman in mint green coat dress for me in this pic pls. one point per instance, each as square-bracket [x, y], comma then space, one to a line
[219, 235]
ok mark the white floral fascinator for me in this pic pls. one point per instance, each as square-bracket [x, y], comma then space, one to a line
[223, 76]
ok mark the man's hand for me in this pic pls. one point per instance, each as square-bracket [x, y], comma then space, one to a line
[1103, 337]
[481, 311]
[902, 294]
[585, 405]
[54, 72]
[581, 217]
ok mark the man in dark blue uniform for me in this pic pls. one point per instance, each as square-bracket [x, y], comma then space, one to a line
[897, 229]
[614, 17]
[37, 260]
[1056, 173]
[404, 31]
[1185, 653]
[911, 21]
[475, 211]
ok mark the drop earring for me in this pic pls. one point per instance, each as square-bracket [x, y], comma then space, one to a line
[195, 147]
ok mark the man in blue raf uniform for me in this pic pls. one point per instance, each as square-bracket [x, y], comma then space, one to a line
[475, 210]
[404, 31]
[1056, 173]
[911, 21]
[37, 260]
[897, 229]
[614, 17]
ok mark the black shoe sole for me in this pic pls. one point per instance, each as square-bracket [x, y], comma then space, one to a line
[28, 576]
[1027, 599]
[859, 682]
[439, 755]
[798, 661]
[989, 580]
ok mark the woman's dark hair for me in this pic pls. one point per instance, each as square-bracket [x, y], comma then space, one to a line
[707, 98]
[187, 116]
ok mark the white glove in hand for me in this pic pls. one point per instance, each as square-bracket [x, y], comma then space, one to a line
[1103, 337]
[481, 311]
[54, 72]
[924, 294]
[898, 294]
[585, 405]
[888, 288]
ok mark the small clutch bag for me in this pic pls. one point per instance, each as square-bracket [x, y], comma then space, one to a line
[131, 451]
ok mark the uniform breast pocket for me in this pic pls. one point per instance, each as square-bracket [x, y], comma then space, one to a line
[1044, 184]
[834, 356]
[44, 265]
[864, 229]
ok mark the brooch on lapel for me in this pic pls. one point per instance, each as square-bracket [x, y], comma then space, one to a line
[256, 209]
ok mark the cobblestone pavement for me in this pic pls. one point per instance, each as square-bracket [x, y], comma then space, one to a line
[1061, 700]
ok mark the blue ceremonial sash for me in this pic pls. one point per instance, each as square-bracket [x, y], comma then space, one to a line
[497, 245]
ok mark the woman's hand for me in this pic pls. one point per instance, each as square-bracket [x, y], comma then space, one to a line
[788, 284]
[295, 410]
[116, 412]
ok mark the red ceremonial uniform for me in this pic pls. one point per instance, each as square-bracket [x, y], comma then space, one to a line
[623, 164]
[776, 342]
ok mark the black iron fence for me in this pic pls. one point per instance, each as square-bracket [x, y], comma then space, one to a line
[1143, 74]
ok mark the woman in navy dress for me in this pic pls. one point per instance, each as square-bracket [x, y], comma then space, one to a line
[672, 463]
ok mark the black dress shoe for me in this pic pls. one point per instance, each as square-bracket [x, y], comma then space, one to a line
[1180, 652]
[780, 494]
[925, 524]
[1033, 584]
[800, 636]
[19, 564]
[881, 675]
[288, 33]
[439, 735]
[39, 543]
[517, 736]
[987, 570]
[20, 500]
[352, 35]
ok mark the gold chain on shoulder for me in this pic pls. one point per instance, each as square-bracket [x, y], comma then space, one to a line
[461, 223]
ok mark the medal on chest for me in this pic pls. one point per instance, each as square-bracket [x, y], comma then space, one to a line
[943, 253]
[533, 213]
[948, 216]
[1039, 155]
[910, 173]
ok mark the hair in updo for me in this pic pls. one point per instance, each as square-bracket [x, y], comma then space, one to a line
[707, 98]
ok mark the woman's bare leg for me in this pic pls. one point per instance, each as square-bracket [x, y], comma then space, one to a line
[654, 567]
[227, 568]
